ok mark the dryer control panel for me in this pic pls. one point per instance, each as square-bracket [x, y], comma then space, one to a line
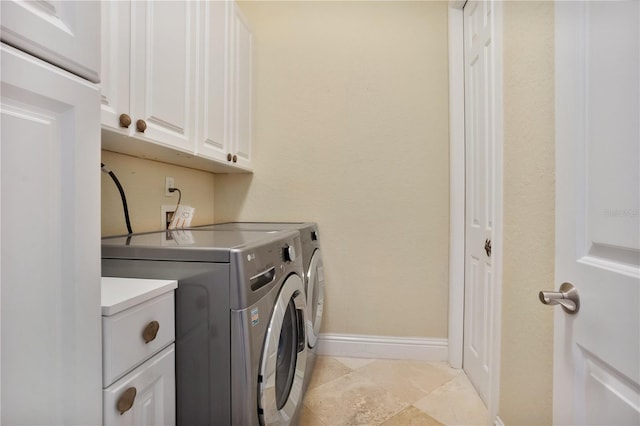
[261, 266]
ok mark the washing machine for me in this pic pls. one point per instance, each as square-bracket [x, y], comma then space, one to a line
[313, 269]
[240, 319]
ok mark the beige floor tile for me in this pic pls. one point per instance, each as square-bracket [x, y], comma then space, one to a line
[411, 416]
[355, 363]
[326, 370]
[309, 418]
[352, 400]
[406, 379]
[443, 365]
[455, 403]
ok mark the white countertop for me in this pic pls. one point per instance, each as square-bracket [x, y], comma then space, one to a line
[119, 294]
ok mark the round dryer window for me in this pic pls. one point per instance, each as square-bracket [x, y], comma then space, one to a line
[315, 297]
[284, 356]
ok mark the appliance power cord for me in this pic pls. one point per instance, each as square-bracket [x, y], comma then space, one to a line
[106, 170]
[179, 198]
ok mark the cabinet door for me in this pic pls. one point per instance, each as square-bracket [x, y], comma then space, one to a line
[50, 244]
[153, 384]
[163, 71]
[63, 33]
[242, 88]
[213, 80]
[116, 27]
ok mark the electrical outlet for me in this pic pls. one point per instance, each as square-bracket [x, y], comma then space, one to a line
[167, 212]
[168, 184]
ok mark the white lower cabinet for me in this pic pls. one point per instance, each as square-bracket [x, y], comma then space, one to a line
[138, 351]
[146, 396]
[127, 326]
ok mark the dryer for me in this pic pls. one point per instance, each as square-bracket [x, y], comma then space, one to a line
[313, 269]
[240, 319]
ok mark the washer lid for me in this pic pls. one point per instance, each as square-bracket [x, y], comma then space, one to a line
[198, 245]
[256, 226]
[308, 230]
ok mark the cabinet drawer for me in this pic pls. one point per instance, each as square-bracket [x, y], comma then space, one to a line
[123, 335]
[153, 384]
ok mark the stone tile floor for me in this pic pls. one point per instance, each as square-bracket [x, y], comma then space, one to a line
[354, 391]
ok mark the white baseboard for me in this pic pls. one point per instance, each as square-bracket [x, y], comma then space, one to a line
[498, 421]
[364, 346]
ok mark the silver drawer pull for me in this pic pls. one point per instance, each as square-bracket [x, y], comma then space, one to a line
[150, 331]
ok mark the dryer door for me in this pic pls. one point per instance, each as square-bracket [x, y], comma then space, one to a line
[315, 297]
[284, 356]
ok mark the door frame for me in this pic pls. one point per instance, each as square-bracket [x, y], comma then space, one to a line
[457, 199]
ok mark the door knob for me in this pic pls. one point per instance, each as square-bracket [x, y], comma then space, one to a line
[567, 297]
[487, 247]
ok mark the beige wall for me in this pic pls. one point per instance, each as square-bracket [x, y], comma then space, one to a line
[351, 131]
[143, 183]
[351, 119]
[529, 200]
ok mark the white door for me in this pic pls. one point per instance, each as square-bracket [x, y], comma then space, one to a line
[51, 358]
[213, 80]
[63, 33]
[597, 350]
[482, 171]
[241, 82]
[115, 47]
[146, 396]
[163, 64]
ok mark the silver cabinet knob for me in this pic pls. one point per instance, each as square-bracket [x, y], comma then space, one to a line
[567, 297]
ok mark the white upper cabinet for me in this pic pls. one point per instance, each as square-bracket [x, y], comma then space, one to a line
[225, 85]
[163, 66]
[173, 69]
[149, 71]
[241, 99]
[59, 32]
[114, 87]
[213, 83]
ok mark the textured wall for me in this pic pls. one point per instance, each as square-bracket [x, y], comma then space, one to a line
[143, 182]
[351, 131]
[529, 214]
[351, 119]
